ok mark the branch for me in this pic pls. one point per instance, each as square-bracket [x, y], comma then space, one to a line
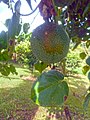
[29, 13]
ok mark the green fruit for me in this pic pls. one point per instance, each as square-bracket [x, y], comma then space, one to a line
[50, 42]
[88, 60]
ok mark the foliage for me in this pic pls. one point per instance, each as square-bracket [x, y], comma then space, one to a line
[62, 3]
[26, 27]
[4, 55]
[5, 67]
[83, 55]
[88, 61]
[86, 102]
[46, 88]
[24, 52]
[86, 68]
[89, 75]
[3, 40]
[73, 60]
[40, 66]
[22, 49]
[8, 38]
[14, 27]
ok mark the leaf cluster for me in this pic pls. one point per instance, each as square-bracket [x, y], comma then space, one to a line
[3, 40]
[5, 67]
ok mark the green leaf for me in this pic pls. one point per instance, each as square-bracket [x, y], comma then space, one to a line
[88, 60]
[7, 22]
[26, 26]
[5, 1]
[82, 55]
[29, 3]
[87, 8]
[86, 102]
[88, 43]
[4, 55]
[3, 40]
[14, 26]
[85, 69]
[5, 70]
[89, 75]
[40, 66]
[76, 45]
[50, 89]
[13, 70]
[3, 35]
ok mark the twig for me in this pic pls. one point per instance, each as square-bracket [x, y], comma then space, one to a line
[34, 18]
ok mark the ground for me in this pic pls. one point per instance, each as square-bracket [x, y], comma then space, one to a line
[15, 102]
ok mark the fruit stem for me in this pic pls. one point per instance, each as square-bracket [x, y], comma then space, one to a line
[55, 17]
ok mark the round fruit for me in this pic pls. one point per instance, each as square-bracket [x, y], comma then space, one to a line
[50, 42]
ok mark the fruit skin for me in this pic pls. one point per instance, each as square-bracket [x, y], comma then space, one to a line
[50, 42]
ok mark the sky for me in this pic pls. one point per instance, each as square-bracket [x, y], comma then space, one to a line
[6, 13]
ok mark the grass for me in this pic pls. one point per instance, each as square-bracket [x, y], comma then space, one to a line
[78, 87]
[15, 93]
[15, 97]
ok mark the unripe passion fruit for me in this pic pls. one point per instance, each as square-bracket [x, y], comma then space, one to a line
[50, 42]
